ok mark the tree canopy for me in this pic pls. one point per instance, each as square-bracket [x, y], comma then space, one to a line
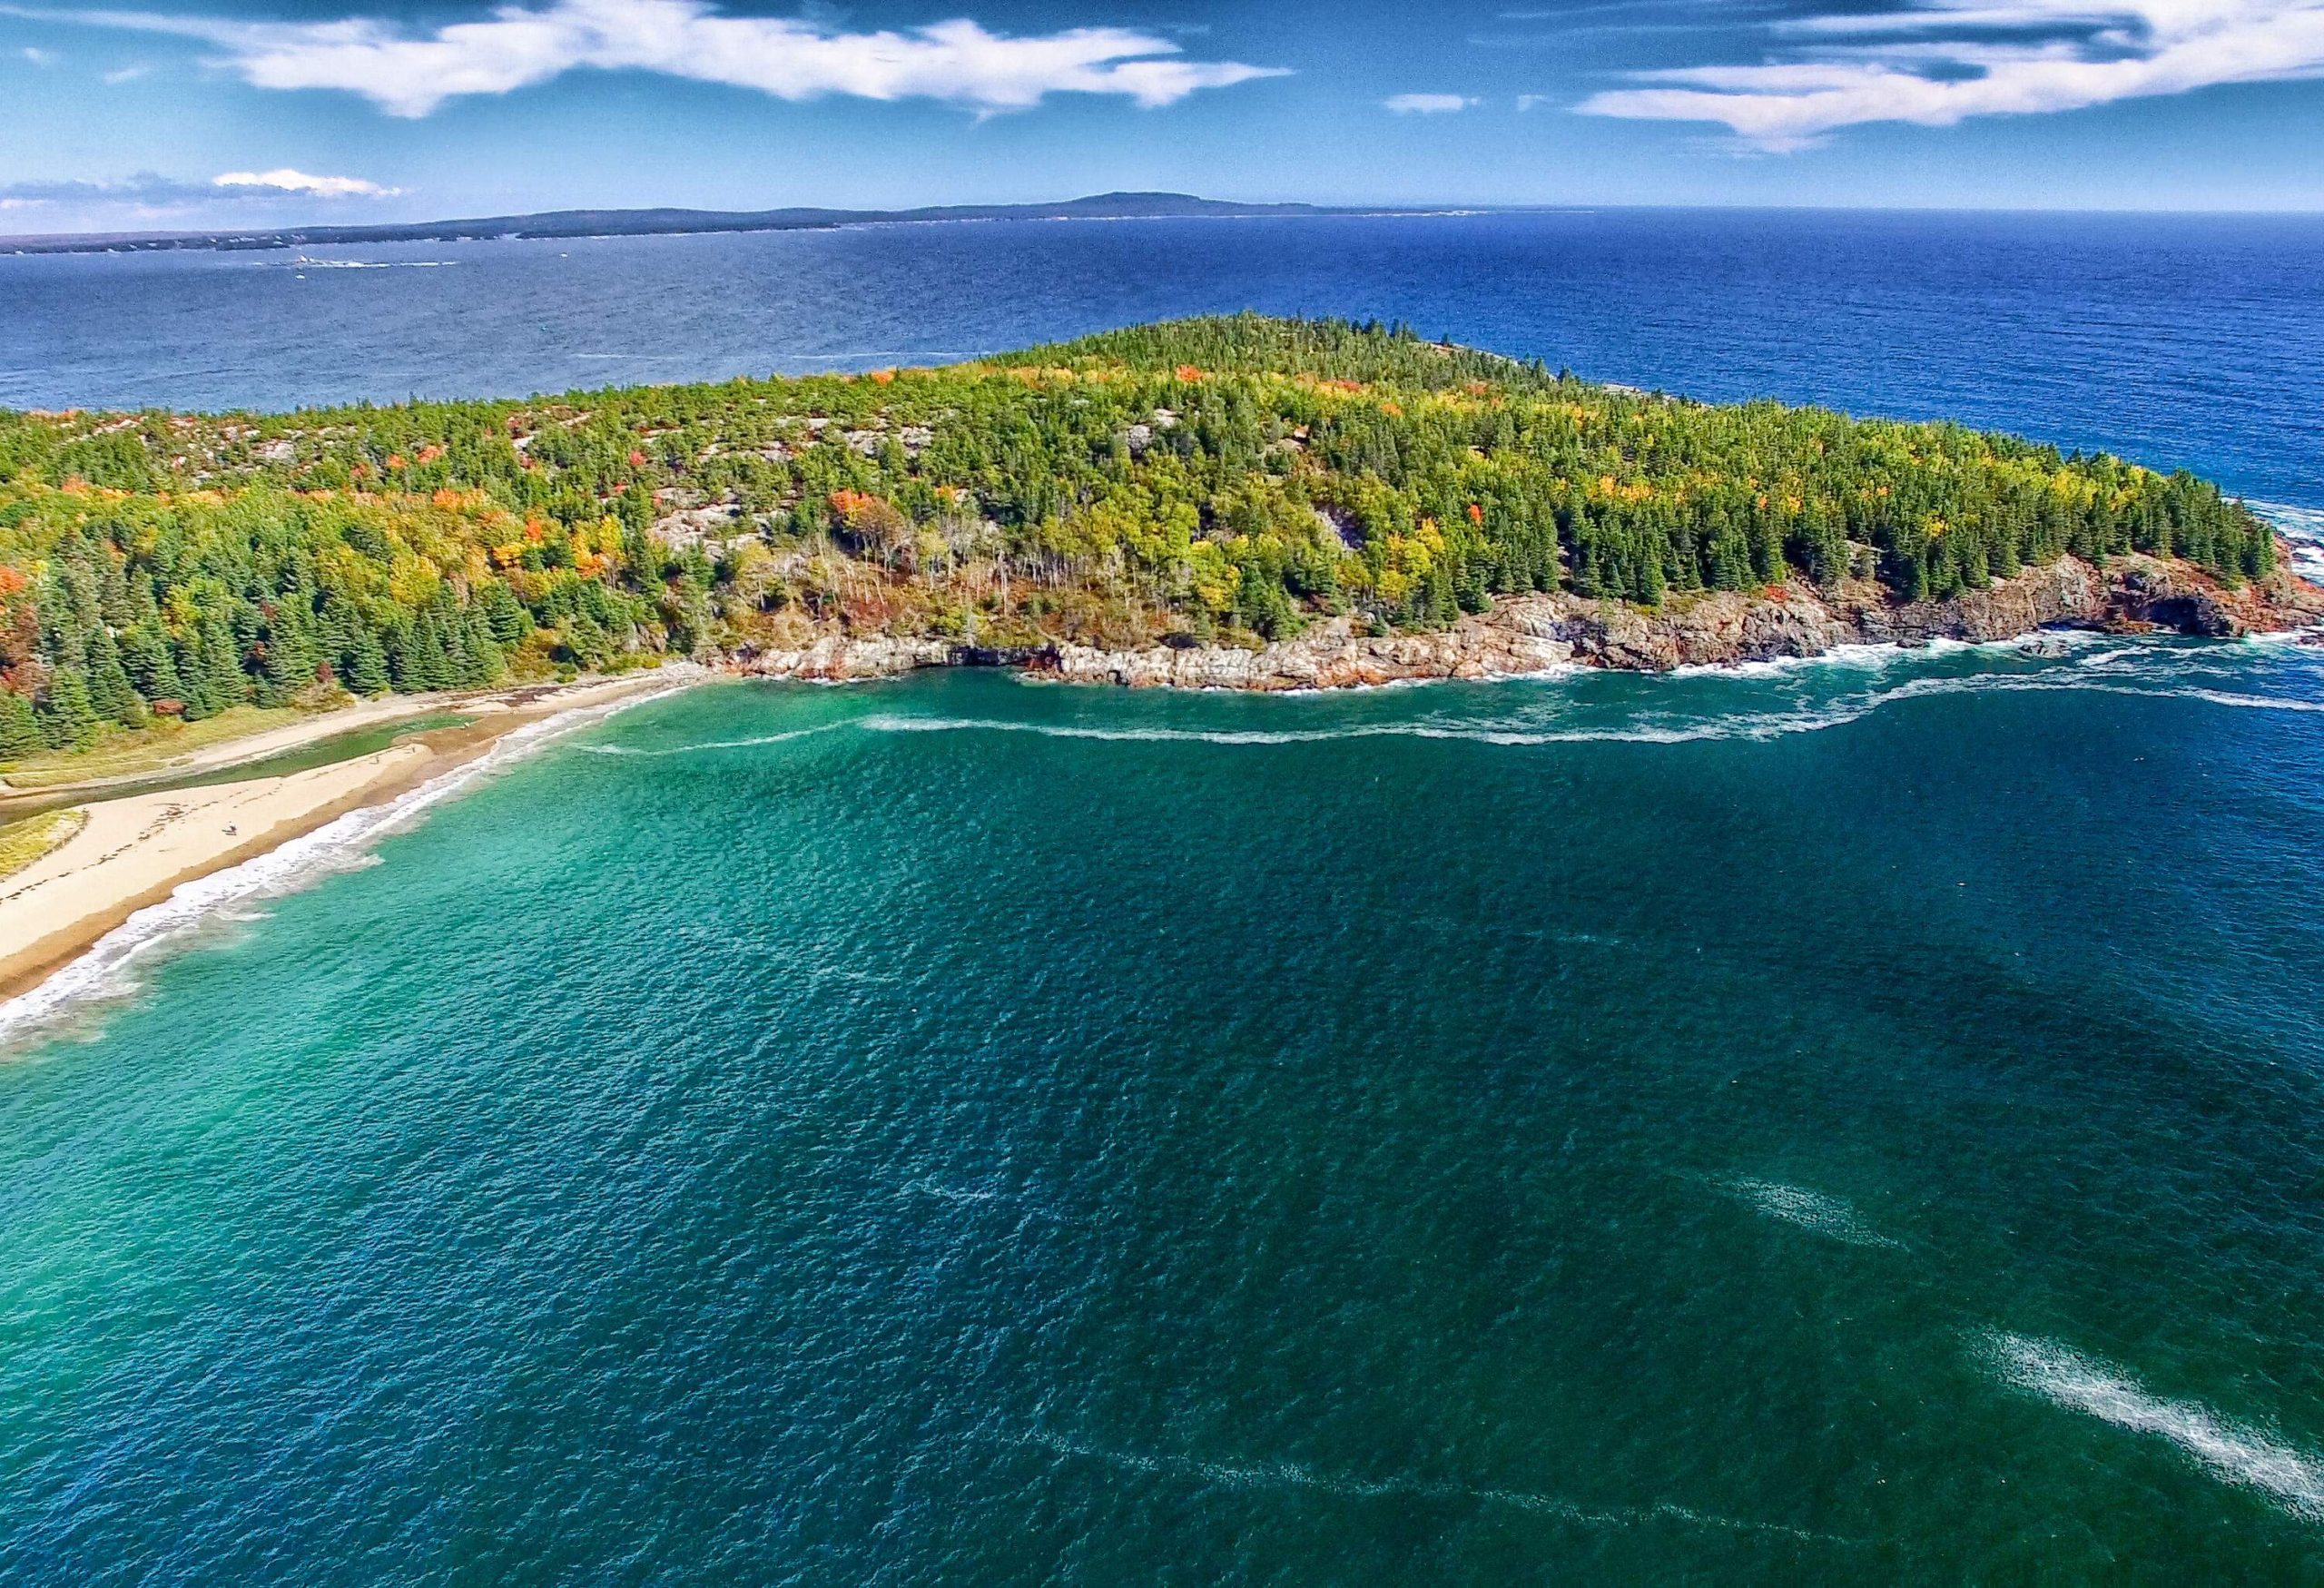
[1224, 478]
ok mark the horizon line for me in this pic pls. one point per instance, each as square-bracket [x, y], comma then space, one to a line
[829, 217]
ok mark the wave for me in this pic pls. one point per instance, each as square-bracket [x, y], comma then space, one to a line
[2240, 1454]
[1871, 655]
[1760, 726]
[106, 970]
[2303, 528]
[750, 743]
[2091, 662]
[2251, 701]
[1291, 1475]
[373, 264]
[1714, 725]
[1811, 1211]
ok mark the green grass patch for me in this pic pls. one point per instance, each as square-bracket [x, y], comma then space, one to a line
[127, 752]
[23, 842]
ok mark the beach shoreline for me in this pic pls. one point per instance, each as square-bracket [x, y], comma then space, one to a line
[139, 847]
[138, 850]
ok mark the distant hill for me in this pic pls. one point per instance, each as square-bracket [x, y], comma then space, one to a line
[650, 223]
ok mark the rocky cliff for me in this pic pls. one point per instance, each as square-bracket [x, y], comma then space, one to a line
[1534, 634]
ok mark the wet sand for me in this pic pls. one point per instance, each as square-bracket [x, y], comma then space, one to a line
[137, 850]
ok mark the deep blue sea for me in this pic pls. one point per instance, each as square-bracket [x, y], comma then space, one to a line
[1851, 1121]
[2175, 339]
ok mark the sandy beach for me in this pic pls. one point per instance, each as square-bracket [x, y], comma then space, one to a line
[137, 850]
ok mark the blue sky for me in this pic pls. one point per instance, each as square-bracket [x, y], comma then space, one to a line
[204, 113]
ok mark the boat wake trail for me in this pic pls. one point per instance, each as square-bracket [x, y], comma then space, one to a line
[2239, 1455]
[1290, 1475]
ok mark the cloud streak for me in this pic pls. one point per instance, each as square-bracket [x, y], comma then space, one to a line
[1427, 105]
[1940, 62]
[411, 73]
[284, 179]
[148, 191]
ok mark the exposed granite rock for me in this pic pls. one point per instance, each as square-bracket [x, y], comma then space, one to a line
[2144, 592]
[836, 658]
[1542, 633]
[1331, 655]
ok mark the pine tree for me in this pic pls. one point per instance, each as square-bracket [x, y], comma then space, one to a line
[227, 686]
[366, 666]
[145, 652]
[67, 719]
[509, 622]
[20, 729]
[111, 694]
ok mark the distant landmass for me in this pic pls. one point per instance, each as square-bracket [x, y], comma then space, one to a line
[659, 223]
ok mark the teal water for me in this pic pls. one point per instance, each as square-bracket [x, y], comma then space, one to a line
[1854, 1122]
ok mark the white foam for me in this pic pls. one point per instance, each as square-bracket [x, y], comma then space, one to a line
[373, 264]
[1749, 727]
[2239, 1455]
[750, 743]
[2251, 702]
[2091, 662]
[1872, 655]
[1810, 1210]
[2304, 530]
[106, 970]
[1713, 725]
[1291, 1475]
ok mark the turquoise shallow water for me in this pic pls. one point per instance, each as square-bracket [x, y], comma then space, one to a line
[1850, 1122]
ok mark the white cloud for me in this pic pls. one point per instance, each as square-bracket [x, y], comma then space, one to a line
[38, 57]
[1912, 66]
[1427, 105]
[283, 180]
[410, 74]
[125, 75]
[149, 195]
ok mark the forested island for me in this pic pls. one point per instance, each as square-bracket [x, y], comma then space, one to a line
[663, 222]
[1215, 488]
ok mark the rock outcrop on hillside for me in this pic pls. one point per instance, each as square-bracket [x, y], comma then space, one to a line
[1540, 633]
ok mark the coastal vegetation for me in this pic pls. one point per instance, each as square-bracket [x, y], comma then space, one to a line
[25, 842]
[1216, 480]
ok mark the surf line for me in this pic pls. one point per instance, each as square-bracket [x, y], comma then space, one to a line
[106, 969]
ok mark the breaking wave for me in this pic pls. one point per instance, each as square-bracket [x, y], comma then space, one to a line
[2303, 528]
[107, 970]
[2104, 673]
[748, 743]
[2232, 1451]
[1810, 1210]
[373, 264]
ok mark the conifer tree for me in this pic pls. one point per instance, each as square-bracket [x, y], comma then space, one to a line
[68, 721]
[20, 727]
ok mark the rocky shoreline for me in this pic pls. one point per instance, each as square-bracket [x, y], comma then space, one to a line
[1542, 633]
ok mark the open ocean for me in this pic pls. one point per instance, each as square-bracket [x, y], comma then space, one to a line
[1851, 1121]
